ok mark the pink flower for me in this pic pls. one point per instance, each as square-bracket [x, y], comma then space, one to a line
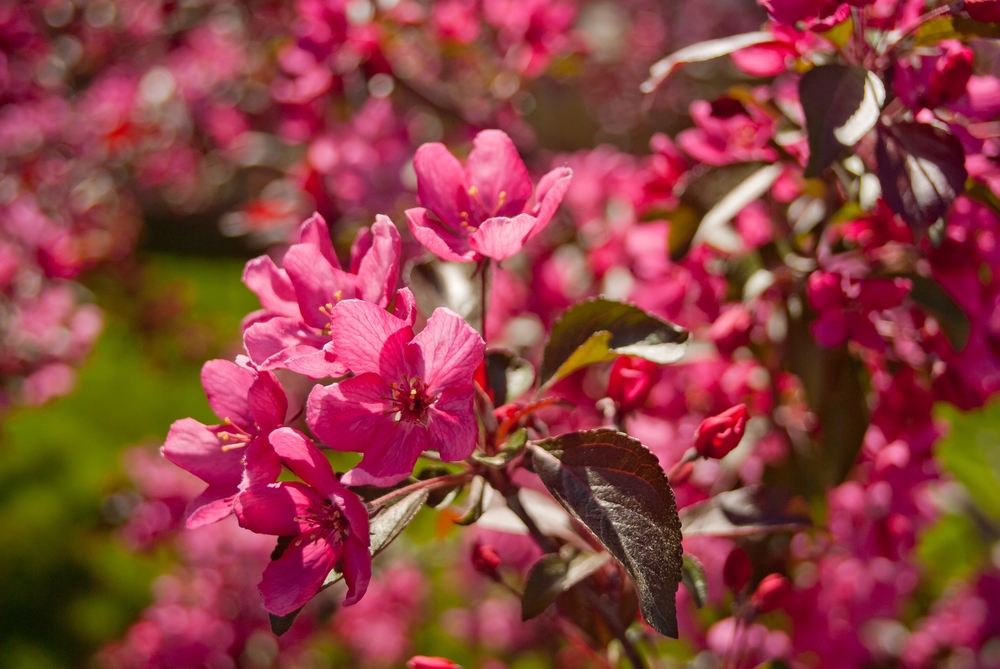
[297, 336]
[728, 131]
[409, 394]
[231, 456]
[327, 521]
[480, 211]
[718, 435]
[630, 382]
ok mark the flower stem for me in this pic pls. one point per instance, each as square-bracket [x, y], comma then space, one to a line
[437, 482]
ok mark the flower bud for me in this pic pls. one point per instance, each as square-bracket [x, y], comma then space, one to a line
[987, 11]
[718, 435]
[771, 594]
[737, 571]
[424, 662]
[486, 560]
[630, 382]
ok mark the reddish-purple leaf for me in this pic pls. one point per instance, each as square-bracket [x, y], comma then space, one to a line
[616, 488]
[922, 170]
[744, 512]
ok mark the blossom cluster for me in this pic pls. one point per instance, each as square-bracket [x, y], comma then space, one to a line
[836, 271]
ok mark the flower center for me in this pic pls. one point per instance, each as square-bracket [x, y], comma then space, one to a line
[410, 400]
[233, 436]
[326, 522]
[471, 220]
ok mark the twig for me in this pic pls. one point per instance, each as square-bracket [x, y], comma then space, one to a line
[437, 482]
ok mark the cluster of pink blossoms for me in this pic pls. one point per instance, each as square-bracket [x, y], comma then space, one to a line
[829, 304]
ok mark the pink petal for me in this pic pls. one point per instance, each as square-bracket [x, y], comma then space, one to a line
[357, 565]
[316, 233]
[295, 578]
[450, 350]
[209, 507]
[196, 448]
[346, 415]
[318, 284]
[404, 307]
[441, 183]
[551, 190]
[317, 364]
[227, 385]
[362, 244]
[273, 509]
[268, 403]
[451, 424]
[390, 455]
[495, 167]
[437, 239]
[272, 343]
[307, 462]
[261, 465]
[378, 271]
[271, 285]
[500, 238]
[368, 338]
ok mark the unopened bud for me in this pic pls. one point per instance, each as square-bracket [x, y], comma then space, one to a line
[486, 560]
[424, 662]
[718, 435]
[771, 594]
[737, 571]
[987, 11]
[630, 382]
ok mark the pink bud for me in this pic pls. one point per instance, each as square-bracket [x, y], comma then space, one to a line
[718, 435]
[731, 329]
[424, 662]
[630, 382]
[987, 11]
[771, 594]
[485, 560]
[737, 571]
[951, 75]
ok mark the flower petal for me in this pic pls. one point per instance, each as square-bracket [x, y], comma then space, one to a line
[368, 338]
[500, 238]
[268, 403]
[551, 191]
[261, 464]
[318, 284]
[437, 239]
[451, 425]
[378, 271]
[196, 448]
[273, 509]
[315, 232]
[390, 455]
[271, 343]
[494, 167]
[316, 364]
[404, 306]
[271, 285]
[357, 564]
[450, 351]
[345, 415]
[295, 578]
[226, 385]
[441, 183]
[305, 460]
[209, 507]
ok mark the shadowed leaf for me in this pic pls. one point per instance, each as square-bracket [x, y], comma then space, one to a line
[613, 485]
[509, 376]
[693, 578]
[552, 575]
[747, 511]
[921, 169]
[841, 104]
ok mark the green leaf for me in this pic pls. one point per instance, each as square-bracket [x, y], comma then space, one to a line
[553, 575]
[509, 376]
[744, 512]
[613, 485]
[383, 530]
[929, 294]
[702, 51]
[515, 444]
[598, 330]
[841, 104]
[693, 578]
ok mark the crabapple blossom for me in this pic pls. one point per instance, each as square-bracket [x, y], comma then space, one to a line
[480, 211]
[409, 393]
[326, 521]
